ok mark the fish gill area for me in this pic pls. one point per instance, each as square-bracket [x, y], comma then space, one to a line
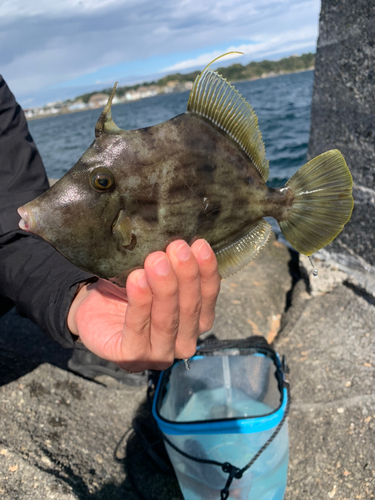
[64, 437]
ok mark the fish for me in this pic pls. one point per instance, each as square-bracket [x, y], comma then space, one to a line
[201, 174]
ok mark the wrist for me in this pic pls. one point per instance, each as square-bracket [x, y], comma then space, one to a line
[79, 297]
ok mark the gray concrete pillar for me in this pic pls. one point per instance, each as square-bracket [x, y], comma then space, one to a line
[343, 115]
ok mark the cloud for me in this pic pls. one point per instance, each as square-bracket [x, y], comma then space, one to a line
[293, 41]
[79, 42]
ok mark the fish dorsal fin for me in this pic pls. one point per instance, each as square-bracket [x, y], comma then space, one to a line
[213, 98]
[237, 255]
[105, 123]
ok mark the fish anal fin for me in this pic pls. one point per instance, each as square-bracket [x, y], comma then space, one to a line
[237, 255]
[214, 99]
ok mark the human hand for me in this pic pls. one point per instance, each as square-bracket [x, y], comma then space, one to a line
[160, 314]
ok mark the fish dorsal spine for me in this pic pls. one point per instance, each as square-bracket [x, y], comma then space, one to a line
[105, 123]
[213, 98]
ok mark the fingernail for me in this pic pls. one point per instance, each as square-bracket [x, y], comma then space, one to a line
[204, 250]
[161, 266]
[142, 281]
[183, 252]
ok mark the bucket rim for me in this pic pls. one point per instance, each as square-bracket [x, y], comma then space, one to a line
[234, 425]
[242, 425]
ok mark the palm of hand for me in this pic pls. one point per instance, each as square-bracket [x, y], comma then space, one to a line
[159, 316]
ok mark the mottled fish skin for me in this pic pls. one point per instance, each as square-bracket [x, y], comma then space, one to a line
[182, 179]
[201, 174]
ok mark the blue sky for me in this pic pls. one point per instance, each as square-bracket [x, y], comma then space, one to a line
[54, 50]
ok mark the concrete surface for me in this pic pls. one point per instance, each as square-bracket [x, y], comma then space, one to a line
[62, 437]
[247, 304]
[343, 114]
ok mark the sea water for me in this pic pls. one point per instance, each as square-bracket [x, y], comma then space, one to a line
[266, 478]
[282, 105]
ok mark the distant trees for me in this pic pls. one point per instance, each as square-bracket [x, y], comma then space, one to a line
[235, 72]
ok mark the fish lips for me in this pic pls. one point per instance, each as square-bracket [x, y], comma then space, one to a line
[31, 220]
[28, 222]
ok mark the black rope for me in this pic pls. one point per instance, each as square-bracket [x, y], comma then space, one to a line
[235, 472]
[184, 454]
[275, 433]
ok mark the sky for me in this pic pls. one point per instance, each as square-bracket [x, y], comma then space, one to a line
[53, 50]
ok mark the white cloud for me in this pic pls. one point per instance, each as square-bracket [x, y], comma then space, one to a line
[52, 42]
[202, 60]
[35, 8]
[293, 41]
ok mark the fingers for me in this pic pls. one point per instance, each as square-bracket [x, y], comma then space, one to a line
[136, 333]
[210, 282]
[170, 303]
[165, 308]
[186, 269]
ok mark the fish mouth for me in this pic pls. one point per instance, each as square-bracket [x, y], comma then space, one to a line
[27, 222]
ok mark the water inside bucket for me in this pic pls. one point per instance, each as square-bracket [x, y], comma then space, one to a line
[221, 403]
[219, 387]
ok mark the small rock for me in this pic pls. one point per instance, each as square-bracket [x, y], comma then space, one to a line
[340, 410]
[46, 461]
[332, 493]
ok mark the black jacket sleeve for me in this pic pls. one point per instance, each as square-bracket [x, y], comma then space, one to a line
[34, 277]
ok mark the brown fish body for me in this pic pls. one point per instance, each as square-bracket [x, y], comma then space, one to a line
[180, 179]
[184, 178]
[201, 174]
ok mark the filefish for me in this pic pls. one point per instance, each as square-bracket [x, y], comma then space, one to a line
[201, 174]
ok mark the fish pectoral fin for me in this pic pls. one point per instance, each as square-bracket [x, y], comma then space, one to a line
[214, 99]
[237, 255]
[122, 230]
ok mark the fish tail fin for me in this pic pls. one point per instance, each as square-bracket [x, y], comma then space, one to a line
[322, 205]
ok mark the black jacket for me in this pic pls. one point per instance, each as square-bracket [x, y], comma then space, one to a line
[34, 277]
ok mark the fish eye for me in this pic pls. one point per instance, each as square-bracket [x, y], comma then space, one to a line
[102, 179]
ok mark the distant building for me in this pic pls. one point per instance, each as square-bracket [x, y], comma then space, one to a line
[188, 85]
[147, 91]
[98, 100]
[77, 106]
[142, 92]
[172, 83]
[131, 95]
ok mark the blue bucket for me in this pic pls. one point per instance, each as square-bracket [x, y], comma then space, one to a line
[224, 421]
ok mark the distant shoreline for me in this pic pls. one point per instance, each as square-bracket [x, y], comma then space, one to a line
[268, 75]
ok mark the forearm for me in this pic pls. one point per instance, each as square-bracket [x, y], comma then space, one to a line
[40, 282]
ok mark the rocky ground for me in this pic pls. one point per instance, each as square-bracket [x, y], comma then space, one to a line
[64, 437]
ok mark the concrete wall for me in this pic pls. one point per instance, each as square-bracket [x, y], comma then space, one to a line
[343, 115]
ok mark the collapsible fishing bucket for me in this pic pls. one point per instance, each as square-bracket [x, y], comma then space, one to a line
[224, 421]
